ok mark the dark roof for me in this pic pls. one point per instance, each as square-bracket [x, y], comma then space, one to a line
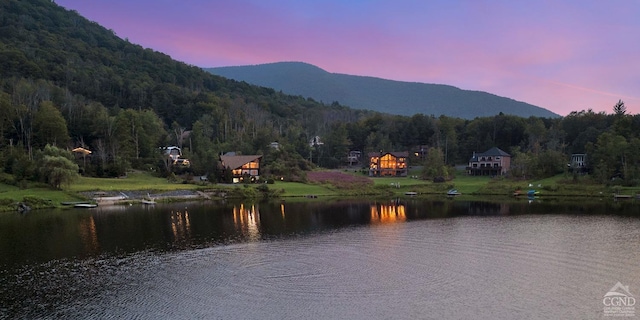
[395, 154]
[235, 162]
[493, 152]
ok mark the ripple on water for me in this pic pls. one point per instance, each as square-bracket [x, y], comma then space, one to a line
[488, 267]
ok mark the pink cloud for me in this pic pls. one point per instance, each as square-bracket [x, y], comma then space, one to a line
[559, 55]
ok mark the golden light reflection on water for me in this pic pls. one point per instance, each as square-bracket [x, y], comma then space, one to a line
[180, 224]
[387, 213]
[247, 220]
[89, 233]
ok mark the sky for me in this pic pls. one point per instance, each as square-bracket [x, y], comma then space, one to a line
[557, 54]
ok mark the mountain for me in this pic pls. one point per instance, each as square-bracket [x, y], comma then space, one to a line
[78, 62]
[69, 82]
[395, 97]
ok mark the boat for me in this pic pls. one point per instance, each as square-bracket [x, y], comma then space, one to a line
[622, 196]
[145, 201]
[410, 193]
[73, 203]
[532, 193]
[85, 205]
[453, 192]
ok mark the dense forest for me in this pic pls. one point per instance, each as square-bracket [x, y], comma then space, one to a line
[67, 82]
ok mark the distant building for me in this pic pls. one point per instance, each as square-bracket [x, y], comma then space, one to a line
[315, 141]
[391, 164]
[242, 166]
[420, 153]
[354, 157]
[173, 152]
[493, 162]
[578, 163]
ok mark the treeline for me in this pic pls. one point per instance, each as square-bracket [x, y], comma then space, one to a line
[68, 82]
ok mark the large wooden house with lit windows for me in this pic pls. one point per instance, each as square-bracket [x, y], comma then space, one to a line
[242, 166]
[493, 162]
[388, 164]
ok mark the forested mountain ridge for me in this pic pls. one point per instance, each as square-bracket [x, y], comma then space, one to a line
[66, 82]
[395, 97]
[40, 40]
[123, 101]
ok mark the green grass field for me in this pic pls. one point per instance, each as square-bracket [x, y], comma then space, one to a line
[133, 181]
[297, 189]
[469, 186]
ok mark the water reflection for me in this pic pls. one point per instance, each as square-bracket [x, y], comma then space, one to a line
[88, 231]
[180, 224]
[489, 208]
[388, 213]
[247, 220]
[108, 264]
[45, 235]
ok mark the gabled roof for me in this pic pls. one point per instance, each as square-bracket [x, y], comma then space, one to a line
[235, 162]
[395, 154]
[495, 151]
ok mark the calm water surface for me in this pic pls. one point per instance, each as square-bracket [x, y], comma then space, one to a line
[343, 259]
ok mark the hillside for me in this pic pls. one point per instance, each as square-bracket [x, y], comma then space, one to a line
[40, 40]
[395, 97]
[70, 82]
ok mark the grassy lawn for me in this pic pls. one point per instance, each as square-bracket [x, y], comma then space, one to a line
[46, 196]
[296, 189]
[559, 185]
[134, 181]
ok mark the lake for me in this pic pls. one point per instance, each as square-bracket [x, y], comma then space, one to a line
[404, 258]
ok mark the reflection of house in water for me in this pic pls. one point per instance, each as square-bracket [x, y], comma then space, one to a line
[89, 235]
[180, 225]
[387, 213]
[488, 208]
[282, 210]
[247, 220]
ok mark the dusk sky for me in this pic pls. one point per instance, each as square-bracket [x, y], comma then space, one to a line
[560, 55]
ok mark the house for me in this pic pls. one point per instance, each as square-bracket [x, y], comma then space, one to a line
[578, 163]
[420, 153]
[242, 166]
[173, 156]
[173, 152]
[493, 162]
[315, 142]
[392, 164]
[354, 157]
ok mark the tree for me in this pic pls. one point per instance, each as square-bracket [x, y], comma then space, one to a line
[49, 126]
[608, 155]
[522, 164]
[434, 166]
[56, 167]
[619, 109]
[336, 144]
